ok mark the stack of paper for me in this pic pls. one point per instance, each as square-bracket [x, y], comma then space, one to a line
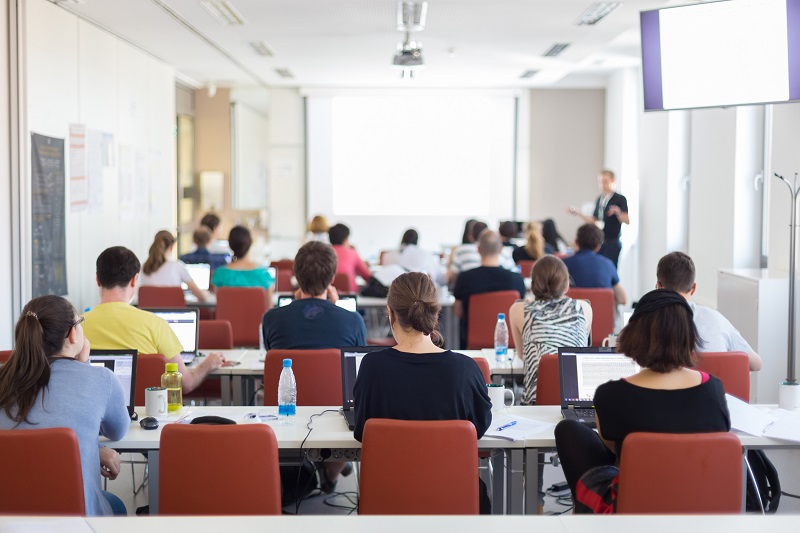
[515, 428]
[776, 424]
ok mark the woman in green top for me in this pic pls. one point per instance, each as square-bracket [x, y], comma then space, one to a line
[242, 272]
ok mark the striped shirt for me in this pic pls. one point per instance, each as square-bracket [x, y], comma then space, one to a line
[466, 257]
[549, 325]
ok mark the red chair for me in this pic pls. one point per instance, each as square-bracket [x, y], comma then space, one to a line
[604, 307]
[284, 281]
[242, 476]
[5, 355]
[41, 473]
[525, 268]
[341, 282]
[160, 297]
[243, 307]
[318, 374]
[283, 264]
[483, 364]
[381, 341]
[548, 385]
[482, 317]
[149, 368]
[732, 369]
[215, 335]
[662, 473]
[445, 450]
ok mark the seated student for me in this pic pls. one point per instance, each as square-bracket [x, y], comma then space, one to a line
[552, 321]
[318, 230]
[488, 277]
[466, 256]
[161, 271]
[313, 320]
[217, 246]
[676, 272]
[553, 241]
[242, 272]
[115, 324]
[45, 384]
[349, 261]
[202, 238]
[667, 396]
[417, 379]
[412, 258]
[534, 244]
[590, 270]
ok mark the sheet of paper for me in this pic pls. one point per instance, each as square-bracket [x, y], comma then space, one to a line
[515, 428]
[746, 418]
[45, 525]
[786, 426]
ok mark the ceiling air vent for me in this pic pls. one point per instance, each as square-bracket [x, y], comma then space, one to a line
[596, 12]
[528, 74]
[224, 12]
[261, 48]
[284, 73]
[556, 49]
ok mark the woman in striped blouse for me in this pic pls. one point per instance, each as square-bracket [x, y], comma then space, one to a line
[551, 321]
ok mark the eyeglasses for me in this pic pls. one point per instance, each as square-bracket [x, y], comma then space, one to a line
[81, 320]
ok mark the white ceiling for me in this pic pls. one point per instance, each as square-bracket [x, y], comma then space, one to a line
[350, 43]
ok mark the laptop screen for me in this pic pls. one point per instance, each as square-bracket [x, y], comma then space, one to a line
[201, 275]
[184, 323]
[123, 364]
[345, 301]
[351, 362]
[583, 370]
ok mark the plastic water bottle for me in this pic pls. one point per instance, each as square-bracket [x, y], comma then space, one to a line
[287, 395]
[172, 381]
[501, 339]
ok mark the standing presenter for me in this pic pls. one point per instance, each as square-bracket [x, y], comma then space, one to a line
[610, 212]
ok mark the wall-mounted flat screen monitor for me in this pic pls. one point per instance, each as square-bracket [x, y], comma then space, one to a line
[717, 54]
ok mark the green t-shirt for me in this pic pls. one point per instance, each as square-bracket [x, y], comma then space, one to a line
[228, 277]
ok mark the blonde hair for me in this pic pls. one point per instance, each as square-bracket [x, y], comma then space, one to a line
[157, 255]
[535, 241]
[318, 224]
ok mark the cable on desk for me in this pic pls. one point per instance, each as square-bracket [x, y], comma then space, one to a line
[303, 456]
[349, 496]
[790, 495]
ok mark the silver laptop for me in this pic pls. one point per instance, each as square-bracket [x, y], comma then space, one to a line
[185, 323]
[123, 364]
[201, 275]
[346, 301]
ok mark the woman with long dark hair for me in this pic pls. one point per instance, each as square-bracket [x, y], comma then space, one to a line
[46, 384]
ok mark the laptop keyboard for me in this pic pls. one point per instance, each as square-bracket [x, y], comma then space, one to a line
[584, 413]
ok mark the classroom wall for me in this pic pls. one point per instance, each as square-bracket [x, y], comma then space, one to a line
[78, 73]
[6, 300]
[785, 160]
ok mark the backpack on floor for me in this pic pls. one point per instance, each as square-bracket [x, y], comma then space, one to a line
[765, 478]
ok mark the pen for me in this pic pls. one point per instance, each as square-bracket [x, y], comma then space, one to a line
[512, 423]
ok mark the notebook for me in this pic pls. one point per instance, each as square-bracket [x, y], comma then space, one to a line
[123, 364]
[582, 370]
[346, 301]
[201, 275]
[351, 361]
[184, 322]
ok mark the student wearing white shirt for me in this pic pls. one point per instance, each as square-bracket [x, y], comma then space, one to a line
[414, 259]
[159, 270]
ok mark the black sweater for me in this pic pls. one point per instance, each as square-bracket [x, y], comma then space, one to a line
[435, 386]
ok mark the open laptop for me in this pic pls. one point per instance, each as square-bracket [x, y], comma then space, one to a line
[201, 275]
[351, 362]
[347, 301]
[123, 364]
[582, 370]
[184, 322]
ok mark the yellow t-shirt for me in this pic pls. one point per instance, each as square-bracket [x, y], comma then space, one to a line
[119, 326]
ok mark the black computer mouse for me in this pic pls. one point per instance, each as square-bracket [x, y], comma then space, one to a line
[149, 422]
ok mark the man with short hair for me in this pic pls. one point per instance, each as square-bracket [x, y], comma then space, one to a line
[115, 324]
[676, 272]
[202, 239]
[590, 270]
[488, 277]
[610, 209]
[466, 256]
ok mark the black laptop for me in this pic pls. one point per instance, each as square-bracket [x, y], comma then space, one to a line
[582, 370]
[185, 323]
[351, 361]
[123, 364]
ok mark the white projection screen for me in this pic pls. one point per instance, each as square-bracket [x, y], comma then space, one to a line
[384, 162]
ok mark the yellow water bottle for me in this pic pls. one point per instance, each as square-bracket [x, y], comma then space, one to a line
[171, 380]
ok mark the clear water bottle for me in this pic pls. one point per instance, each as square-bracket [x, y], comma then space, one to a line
[287, 395]
[501, 339]
[172, 381]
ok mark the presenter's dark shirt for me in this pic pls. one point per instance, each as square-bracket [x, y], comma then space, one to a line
[612, 227]
[202, 255]
[624, 408]
[312, 324]
[589, 270]
[407, 386]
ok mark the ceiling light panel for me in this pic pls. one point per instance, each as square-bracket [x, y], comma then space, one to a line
[284, 73]
[556, 49]
[411, 15]
[596, 12]
[224, 12]
[261, 48]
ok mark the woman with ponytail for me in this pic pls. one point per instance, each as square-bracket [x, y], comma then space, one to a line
[161, 270]
[46, 384]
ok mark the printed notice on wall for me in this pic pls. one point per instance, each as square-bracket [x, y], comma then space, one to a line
[78, 181]
[48, 233]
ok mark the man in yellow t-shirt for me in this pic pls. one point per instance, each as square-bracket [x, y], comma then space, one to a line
[115, 324]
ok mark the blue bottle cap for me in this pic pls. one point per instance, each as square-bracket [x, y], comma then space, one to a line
[287, 363]
[501, 316]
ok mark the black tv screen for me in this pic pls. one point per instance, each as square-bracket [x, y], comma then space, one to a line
[733, 52]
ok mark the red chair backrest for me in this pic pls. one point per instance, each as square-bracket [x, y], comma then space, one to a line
[318, 374]
[548, 384]
[243, 478]
[525, 268]
[149, 367]
[41, 472]
[284, 281]
[446, 450]
[160, 297]
[4, 355]
[662, 473]
[486, 370]
[732, 369]
[215, 335]
[604, 309]
[482, 317]
[283, 264]
[243, 307]
[341, 282]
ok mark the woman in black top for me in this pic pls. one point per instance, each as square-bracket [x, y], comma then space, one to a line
[666, 396]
